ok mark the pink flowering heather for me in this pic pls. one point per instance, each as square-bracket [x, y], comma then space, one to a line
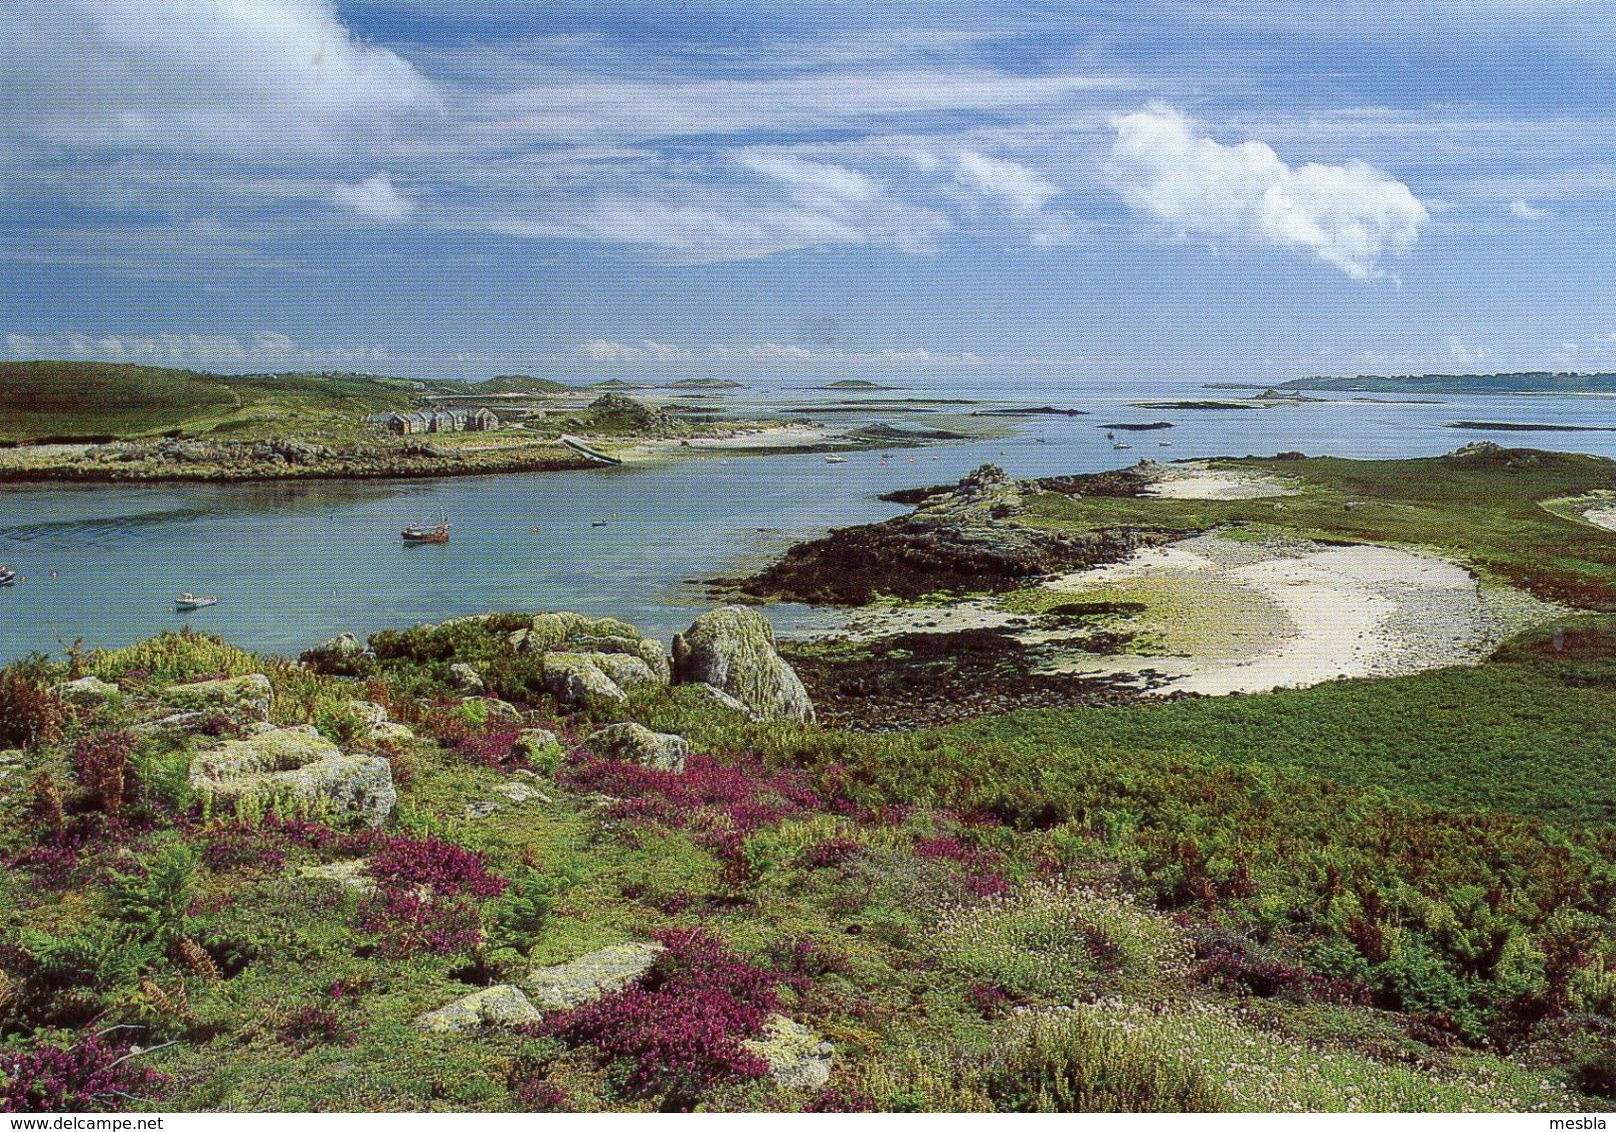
[980, 866]
[426, 895]
[680, 1032]
[93, 1076]
[492, 747]
[721, 805]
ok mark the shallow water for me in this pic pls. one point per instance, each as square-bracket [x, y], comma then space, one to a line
[294, 564]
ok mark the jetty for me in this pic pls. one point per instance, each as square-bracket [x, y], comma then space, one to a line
[579, 446]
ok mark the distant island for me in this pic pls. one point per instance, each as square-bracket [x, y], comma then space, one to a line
[1535, 381]
[704, 383]
[855, 383]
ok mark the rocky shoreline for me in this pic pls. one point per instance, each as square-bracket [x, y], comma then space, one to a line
[959, 540]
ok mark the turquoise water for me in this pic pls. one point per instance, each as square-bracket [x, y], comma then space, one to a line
[294, 564]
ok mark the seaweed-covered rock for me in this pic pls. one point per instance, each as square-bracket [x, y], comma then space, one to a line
[796, 1056]
[242, 697]
[503, 1005]
[295, 768]
[632, 743]
[733, 650]
[587, 978]
[87, 691]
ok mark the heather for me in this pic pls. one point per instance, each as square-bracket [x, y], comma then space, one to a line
[1035, 911]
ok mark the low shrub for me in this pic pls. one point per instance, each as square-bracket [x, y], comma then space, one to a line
[93, 1075]
[30, 713]
[1068, 1063]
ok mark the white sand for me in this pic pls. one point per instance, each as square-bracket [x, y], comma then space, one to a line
[1199, 481]
[1347, 611]
[1604, 517]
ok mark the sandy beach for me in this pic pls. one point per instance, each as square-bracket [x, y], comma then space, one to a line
[1252, 617]
[1603, 517]
[1202, 481]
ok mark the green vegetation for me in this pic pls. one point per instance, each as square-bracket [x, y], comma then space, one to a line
[518, 383]
[100, 400]
[1488, 506]
[1458, 383]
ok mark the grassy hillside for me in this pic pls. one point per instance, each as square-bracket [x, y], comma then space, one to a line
[92, 399]
[519, 383]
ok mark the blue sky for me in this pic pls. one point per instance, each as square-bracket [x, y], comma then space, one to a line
[1064, 191]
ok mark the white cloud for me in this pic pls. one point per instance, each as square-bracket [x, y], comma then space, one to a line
[611, 350]
[265, 347]
[1347, 215]
[374, 198]
[246, 76]
[1525, 211]
[1022, 189]
[1464, 355]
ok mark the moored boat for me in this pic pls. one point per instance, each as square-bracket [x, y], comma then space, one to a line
[419, 532]
[835, 459]
[188, 602]
[7, 577]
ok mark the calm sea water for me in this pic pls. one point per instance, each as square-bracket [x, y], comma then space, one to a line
[293, 565]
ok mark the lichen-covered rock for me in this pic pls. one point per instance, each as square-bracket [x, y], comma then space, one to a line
[463, 677]
[347, 874]
[576, 680]
[295, 768]
[365, 712]
[733, 650]
[390, 732]
[627, 672]
[551, 630]
[521, 793]
[503, 1005]
[517, 641]
[585, 979]
[722, 699]
[242, 697]
[630, 742]
[87, 691]
[797, 1057]
[344, 644]
[539, 747]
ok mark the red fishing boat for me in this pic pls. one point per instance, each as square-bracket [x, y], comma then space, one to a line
[417, 532]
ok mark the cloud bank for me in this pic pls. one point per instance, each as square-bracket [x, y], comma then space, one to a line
[1347, 215]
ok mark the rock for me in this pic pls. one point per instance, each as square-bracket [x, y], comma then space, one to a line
[733, 650]
[521, 793]
[551, 630]
[538, 746]
[464, 678]
[367, 713]
[344, 644]
[585, 979]
[390, 732]
[723, 700]
[630, 742]
[518, 640]
[646, 649]
[348, 874]
[796, 1056]
[503, 1005]
[480, 808]
[87, 691]
[575, 680]
[625, 671]
[496, 709]
[298, 768]
[242, 697]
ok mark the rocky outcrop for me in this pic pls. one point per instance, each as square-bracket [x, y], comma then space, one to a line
[243, 697]
[464, 678]
[87, 691]
[632, 743]
[585, 979]
[295, 769]
[796, 1056]
[496, 1006]
[722, 699]
[575, 680]
[733, 650]
[969, 539]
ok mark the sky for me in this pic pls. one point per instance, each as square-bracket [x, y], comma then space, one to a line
[1047, 193]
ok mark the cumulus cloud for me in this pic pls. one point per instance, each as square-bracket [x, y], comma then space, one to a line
[374, 198]
[1347, 215]
[1524, 211]
[1022, 189]
[182, 75]
[1459, 352]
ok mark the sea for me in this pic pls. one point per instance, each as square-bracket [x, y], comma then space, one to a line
[294, 564]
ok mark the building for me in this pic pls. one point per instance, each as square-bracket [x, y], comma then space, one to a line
[436, 419]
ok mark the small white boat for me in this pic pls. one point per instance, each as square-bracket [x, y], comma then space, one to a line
[835, 459]
[187, 602]
[1119, 446]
